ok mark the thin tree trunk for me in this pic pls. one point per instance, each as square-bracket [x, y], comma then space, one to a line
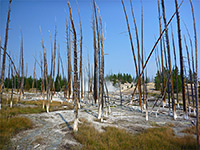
[196, 78]
[4, 53]
[190, 71]
[46, 74]
[54, 59]
[68, 36]
[95, 54]
[181, 61]
[161, 51]
[176, 68]
[22, 68]
[75, 128]
[11, 98]
[33, 83]
[169, 61]
[80, 85]
[131, 41]
[138, 47]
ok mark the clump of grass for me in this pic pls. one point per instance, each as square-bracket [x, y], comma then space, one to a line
[115, 138]
[11, 126]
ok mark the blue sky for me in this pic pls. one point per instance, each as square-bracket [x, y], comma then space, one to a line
[30, 14]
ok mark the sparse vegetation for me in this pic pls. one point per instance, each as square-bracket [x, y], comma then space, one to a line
[114, 138]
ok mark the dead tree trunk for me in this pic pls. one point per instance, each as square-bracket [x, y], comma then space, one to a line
[22, 68]
[176, 68]
[169, 61]
[181, 61]
[75, 128]
[46, 74]
[138, 47]
[54, 59]
[161, 51]
[81, 64]
[190, 71]
[196, 78]
[33, 83]
[4, 53]
[131, 41]
[95, 53]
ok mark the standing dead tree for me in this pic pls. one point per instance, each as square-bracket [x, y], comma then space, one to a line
[161, 51]
[176, 68]
[54, 59]
[81, 64]
[101, 73]
[190, 71]
[196, 78]
[4, 53]
[131, 41]
[138, 47]
[95, 53]
[75, 84]
[22, 67]
[169, 60]
[45, 73]
[33, 83]
[68, 38]
[181, 60]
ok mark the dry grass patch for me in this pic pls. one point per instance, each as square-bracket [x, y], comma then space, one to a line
[115, 139]
[190, 130]
[11, 126]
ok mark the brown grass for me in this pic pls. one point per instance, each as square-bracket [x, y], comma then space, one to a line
[11, 126]
[115, 138]
[190, 130]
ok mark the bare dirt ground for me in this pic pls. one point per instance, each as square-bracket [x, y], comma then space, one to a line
[54, 130]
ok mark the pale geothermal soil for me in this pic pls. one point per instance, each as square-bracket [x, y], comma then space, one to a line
[54, 130]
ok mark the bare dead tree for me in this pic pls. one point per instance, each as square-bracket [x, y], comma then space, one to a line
[169, 61]
[75, 128]
[131, 41]
[190, 71]
[142, 52]
[81, 51]
[51, 70]
[68, 38]
[181, 60]
[176, 68]
[101, 65]
[22, 67]
[4, 52]
[96, 50]
[45, 73]
[33, 83]
[161, 51]
[138, 47]
[11, 98]
[154, 46]
[54, 58]
[196, 78]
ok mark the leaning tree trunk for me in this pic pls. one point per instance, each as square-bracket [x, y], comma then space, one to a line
[131, 41]
[138, 47]
[4, 53]
[75, 128]
[169, 61]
